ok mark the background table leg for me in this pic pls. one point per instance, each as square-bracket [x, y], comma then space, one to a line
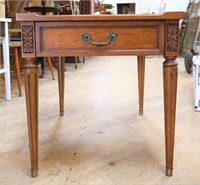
[31, 92]
[17, 67]
[170, 88]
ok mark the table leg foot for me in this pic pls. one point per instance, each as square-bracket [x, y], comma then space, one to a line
[141, 112]
[34, 173]
[61, 113]
[169, 172]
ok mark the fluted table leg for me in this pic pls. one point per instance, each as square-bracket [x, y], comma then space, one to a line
[170, 71]
[31, 92]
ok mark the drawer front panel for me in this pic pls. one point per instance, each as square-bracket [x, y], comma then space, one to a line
[131, 38]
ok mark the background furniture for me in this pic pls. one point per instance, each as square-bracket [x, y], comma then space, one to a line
[15, 45]
[85, 7]
[6, 58]
[43, 9]
[17, 49]
[13, 7]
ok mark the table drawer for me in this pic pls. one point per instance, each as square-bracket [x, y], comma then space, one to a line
[91, 38]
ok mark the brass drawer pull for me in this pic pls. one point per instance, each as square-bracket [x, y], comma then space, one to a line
[88, 39]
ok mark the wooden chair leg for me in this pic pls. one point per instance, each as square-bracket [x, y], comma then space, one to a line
[76, 61]
[141, 74]
[17, 68]
[50, 67]
[42, 67]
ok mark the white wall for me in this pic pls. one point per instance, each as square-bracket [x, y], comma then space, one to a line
[149, 6]
[2, 8]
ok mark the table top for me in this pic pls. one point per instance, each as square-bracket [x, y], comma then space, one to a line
[23, 17]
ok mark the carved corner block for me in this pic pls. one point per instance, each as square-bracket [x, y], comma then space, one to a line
[172, 39]
[28, 46]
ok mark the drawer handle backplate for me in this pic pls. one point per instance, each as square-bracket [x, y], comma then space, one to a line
[88, 39]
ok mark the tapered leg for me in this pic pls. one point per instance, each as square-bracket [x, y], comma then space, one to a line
[170, 88]
[50, 67]
[61, 83]
[17, 67]
[141, 74]
[31, 92]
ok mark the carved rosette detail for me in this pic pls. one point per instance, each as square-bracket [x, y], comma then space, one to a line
[27, 39]
[172, 38]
